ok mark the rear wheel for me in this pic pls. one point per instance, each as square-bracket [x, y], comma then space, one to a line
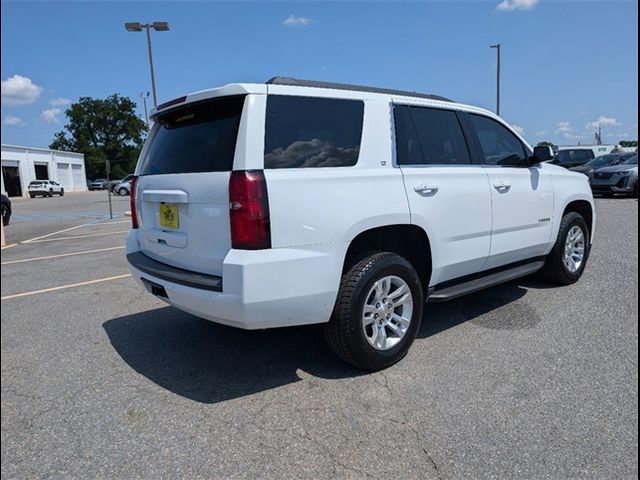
[5, 214]
[377, 313]
[62, 192]
[123, 191]
[566, 262]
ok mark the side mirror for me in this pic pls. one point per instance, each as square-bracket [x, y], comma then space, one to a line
[542, 154]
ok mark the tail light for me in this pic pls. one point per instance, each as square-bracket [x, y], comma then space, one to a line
[249, 210]
[132, 200]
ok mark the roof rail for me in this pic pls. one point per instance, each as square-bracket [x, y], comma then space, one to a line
[296, 82]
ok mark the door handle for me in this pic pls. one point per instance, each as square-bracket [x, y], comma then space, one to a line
[426, 188]
[502, 187]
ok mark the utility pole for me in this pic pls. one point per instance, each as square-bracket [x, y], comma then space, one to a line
[497, 46]
[144, 97]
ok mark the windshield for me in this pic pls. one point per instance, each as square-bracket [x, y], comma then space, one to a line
[603, 160]
[631, 160]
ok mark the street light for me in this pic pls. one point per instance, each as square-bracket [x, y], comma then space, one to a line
[497, 47]
[158, 27]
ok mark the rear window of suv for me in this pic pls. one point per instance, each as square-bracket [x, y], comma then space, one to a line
[312, 132]
[196, 138]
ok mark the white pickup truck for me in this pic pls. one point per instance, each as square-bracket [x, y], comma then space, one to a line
[298, 202]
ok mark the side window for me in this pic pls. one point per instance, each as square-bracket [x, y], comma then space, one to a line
[440, 136]
[499, 145]
[312, 132]
[582, 155]
[563, 156]
[407, 146]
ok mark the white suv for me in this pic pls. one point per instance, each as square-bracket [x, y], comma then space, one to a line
[297, 202]
[46, 188]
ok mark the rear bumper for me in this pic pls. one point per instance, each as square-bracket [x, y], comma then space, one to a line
[258, 289]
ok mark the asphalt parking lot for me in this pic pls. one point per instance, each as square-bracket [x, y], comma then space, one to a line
[100, 379]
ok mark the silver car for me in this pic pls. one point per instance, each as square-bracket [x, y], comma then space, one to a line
[621, 178]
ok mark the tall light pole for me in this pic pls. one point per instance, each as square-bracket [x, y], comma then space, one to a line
[158, 27]
[144, 96]
[497, 47]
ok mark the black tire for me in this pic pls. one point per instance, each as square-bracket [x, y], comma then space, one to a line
[62, 192]
[635, 190]
[554, 269]
[345, 333]
[32, 195]
[5, 215]
[51, 192]
[123, 191]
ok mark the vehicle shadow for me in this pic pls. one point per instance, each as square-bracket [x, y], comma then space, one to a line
[210, 363]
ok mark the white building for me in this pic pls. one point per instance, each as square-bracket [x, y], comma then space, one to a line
[21, 165]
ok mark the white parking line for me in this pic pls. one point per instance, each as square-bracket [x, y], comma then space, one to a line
[59, 231]
[62, 287]
[78, 236]
[61, 255]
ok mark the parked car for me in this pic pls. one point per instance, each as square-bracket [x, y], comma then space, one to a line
[300, 202]
[601, 161]
[98, 184]
[114, 183]
[123, 188]
[573, 157]
[621, 178]
[5, 205]
[45, 188]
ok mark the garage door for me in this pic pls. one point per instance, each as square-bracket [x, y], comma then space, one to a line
[79, 182]
[64, 176]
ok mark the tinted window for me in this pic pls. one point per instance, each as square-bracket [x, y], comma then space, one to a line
[499, 145]
[563, 156]
[582, 155]
[631, 160]
[407, 146]
[440, 136]
[197, 138]
[312, 132]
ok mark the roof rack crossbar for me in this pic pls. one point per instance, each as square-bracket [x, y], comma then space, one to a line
[296, 82]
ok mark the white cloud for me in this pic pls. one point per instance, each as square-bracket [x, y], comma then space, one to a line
[541, 133]
[293, 21]
[566, 130]
[50, 115]
[518, 129]
[60, 102]
[509, 5]
[13, 121]
[603, 121]
[19, 90]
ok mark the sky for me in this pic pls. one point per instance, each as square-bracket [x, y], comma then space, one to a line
[567, 66]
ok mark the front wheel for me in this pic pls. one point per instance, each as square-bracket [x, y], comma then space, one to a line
[377, 313]
[568, 258]
[123, 191]
[62, 192]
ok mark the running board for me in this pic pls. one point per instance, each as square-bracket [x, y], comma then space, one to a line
[477, 284]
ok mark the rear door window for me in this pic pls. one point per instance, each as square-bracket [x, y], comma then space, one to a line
[194, 139]
[440, 136]
[582, 155]
[304, 132]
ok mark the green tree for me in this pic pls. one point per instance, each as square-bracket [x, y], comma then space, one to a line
[103, 129]
[547, 144]
[628, 143]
